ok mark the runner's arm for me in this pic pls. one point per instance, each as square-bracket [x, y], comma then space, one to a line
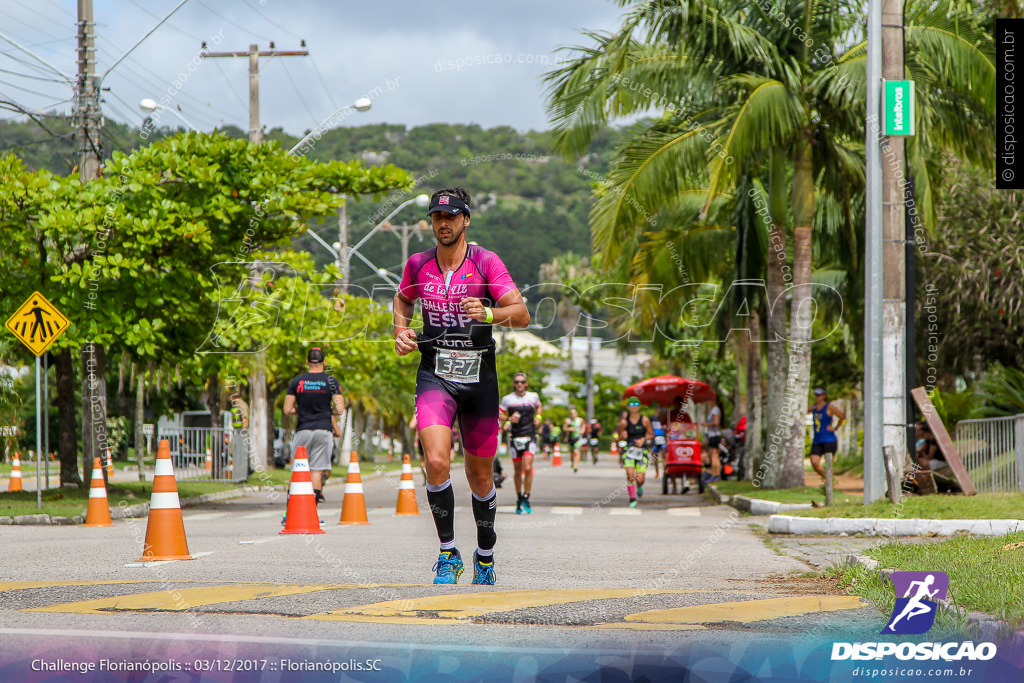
[650, 428]
[337, 404]
[510, 311]
[289, 405]
[836, 412]
[405, 337]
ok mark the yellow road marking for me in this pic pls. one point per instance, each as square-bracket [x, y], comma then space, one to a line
[176, 600]
[470, 605]
[748, 610]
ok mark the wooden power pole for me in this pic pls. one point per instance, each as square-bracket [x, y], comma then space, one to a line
[260, 416]
[254, 54]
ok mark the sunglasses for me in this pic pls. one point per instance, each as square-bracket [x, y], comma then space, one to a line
[519, 381]
[633, 404]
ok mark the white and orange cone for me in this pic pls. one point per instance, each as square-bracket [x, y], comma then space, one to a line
[165, 531]
[353, 507]
[556, 460]
[15, 483]
[98, 513]
[302, 517]
[208, 463]
[615, 448]
[406, 491]
[110, 465]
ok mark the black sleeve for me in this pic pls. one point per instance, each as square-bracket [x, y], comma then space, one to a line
[332, 386]
[293, 386]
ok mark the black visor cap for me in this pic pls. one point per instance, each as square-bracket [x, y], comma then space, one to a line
[448, 204]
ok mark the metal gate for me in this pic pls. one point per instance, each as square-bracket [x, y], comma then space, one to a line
[992, 450]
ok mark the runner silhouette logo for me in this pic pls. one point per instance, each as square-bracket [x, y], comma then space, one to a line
[914, 612]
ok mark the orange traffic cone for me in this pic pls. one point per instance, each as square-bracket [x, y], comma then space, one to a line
[556, 460]
[110, 465]
[229, 471]
[98, 513]
[353, 507]
[406, 491]
[615, 448]
[165, 532]
[208, 463]
[302, 517]
[15, 483]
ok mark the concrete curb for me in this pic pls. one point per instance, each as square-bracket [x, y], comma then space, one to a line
[991, 628]
[871, 526]
[754, 506]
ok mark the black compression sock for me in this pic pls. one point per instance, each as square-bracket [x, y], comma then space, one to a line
[484, 510]
[442, 507]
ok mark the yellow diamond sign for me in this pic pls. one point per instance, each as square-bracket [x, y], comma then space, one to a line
[37, 323]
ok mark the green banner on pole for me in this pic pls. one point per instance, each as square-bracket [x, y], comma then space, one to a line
[898, 104]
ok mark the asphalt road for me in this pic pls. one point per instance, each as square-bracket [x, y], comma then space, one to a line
[582, 573]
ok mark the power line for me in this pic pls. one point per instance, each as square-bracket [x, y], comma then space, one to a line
[34, 78]
[238, 26]
[273, 23]
[316, 69]
[312, 117]
[34, 92]
[168, 24]
[230, 86]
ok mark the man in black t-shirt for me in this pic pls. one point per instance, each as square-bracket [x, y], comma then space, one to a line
[314, 397]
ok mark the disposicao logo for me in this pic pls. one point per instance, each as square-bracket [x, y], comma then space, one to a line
[914, 613]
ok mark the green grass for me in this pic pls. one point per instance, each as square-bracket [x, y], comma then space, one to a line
[982, 576]
[68, 502]
[800, 495]
[981, 506]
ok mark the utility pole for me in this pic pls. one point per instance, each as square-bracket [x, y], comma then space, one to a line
[874, 472]
[344, 258]
[254, 54]
[87, 109]
[405, 233]
[894, 207]
[260, 417]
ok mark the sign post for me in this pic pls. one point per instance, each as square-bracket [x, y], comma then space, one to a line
[37, 323]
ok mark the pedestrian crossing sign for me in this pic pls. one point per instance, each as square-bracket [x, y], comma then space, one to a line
[37, 323]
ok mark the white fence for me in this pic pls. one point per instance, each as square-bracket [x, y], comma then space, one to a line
[992, 450]
[188, 453]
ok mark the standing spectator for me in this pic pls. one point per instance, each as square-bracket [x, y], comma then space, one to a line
[714, 432]
[824, 438]
[313, 397]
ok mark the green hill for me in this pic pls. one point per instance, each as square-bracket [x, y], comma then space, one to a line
[529, 206]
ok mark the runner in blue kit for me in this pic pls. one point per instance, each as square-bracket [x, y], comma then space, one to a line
[521, 411]
[463, 290]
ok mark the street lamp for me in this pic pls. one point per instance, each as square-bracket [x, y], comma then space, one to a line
[362, 104]
[149, 105]
[342, 254]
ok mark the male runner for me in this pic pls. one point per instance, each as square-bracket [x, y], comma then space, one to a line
[636, 430]
[575, 431]
[595, 439]
[314, 397]
[521, 412]
[464, 290]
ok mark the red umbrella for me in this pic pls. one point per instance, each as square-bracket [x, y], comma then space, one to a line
[666, 388]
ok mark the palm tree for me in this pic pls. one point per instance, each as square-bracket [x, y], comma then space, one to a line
[765, 98]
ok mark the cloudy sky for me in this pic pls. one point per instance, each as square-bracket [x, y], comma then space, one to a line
[442, 61]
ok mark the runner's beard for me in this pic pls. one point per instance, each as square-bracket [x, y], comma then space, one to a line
[452, 238]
